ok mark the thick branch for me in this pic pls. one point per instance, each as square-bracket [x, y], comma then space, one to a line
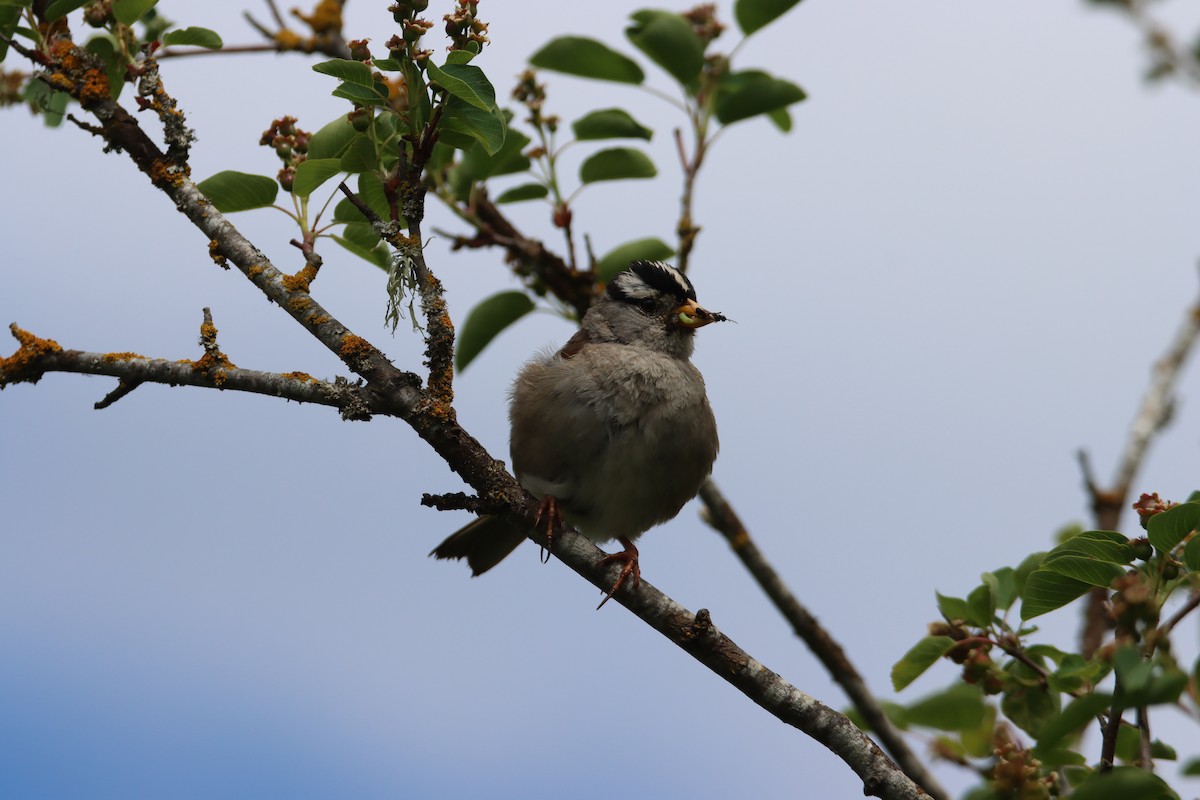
[696, 635]
[721, 516]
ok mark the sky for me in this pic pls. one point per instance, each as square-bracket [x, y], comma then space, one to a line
[952, 274]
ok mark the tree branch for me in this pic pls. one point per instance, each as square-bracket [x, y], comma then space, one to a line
[1153, 415]
[722, 518]
[428, 412]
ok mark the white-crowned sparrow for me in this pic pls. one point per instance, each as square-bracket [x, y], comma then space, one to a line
[614, 431]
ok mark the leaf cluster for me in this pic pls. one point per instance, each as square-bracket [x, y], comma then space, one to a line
[1054, 695]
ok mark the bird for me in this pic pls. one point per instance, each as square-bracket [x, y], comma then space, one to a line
[614, 431]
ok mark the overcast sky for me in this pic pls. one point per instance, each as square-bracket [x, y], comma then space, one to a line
[952, 274]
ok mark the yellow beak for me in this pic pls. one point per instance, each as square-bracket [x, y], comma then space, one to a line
[691, 315]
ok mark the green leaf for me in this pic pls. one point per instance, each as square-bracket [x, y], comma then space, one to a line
[670, 41]
[473, 125]
[526, 191]
[1123, 783]
[344, 69]
[979, 740]
[1046, 591]
[1030, 707]
[741, 95]
[10, 20]
[333, 139]
[753, 15]
[1005, 586]
[1076, 715]
[1191, 554]
[957, 708]
[478, 165]
[981, 606]
[1053, 757]
[781, 119]
[466, 82]
[360, 156]
[1083, 568]
[486, 321]
[954, 609]
[128, 12]
[60, 8]
[51, 102]
[620, 257]
[1191, 768]
[231, 191]
[391, 64]
[200, 37]
[313, 172]
[615, 164]
[371, 191]
[587, 58]
[374, 95]
[460, 57]
[609, 123]
[362, 234]
[1024, 569]
[345, 211]
[1168, 529]
[921, 657]
[1097, 544]
[377, 256]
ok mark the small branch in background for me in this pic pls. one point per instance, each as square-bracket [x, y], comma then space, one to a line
[1170, 57]
[1153, 414]
[124, 387]
[722, 518]
[1145, 759]
[1108, 746]
[686, 229]
[324, 22]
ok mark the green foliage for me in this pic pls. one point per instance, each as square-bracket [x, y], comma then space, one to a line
[616, 163]
[742, 95]
[609, 123]
[753, 15]
[669, 41]
[233, 191]
[128, 12]
[617, 259]
[1055, 695]
[200, 37]
[486, 321]
[587, 58]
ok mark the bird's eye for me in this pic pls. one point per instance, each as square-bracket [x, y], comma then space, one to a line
[646, 304]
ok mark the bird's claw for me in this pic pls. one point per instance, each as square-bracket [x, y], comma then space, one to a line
[629, 555]
[549, 515]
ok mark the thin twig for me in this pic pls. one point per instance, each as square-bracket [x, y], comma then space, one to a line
[1152, 416]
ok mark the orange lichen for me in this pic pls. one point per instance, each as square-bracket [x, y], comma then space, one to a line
[326, 17]
[61, 82]
[22, 365]
[318, 320]
[355, 347]
[214, 252]
[112, 358]
[166, 172]
[303, 377]
[95, 87]
[288, 40]
[254, 271]
[301, 280]
[300, 303]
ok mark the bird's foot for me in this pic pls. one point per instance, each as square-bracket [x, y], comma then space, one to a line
[549, 516]
[629, 555]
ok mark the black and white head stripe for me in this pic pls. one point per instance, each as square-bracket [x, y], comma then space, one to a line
[650, 280]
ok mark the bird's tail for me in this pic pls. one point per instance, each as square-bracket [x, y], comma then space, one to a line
[484, 543]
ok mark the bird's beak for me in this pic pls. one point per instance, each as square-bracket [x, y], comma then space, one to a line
[691, 315]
